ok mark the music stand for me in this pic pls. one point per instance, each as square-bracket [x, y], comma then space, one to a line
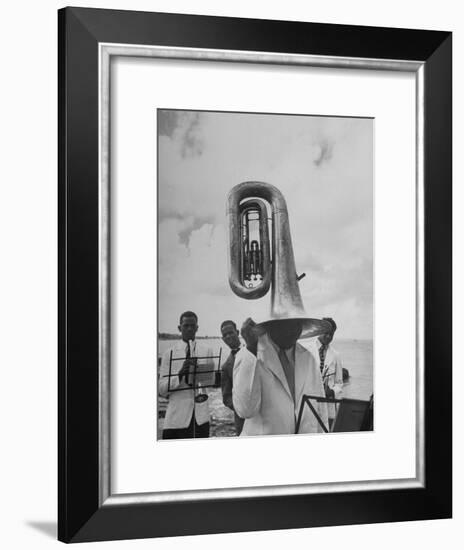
[196, 374]
[353, 415]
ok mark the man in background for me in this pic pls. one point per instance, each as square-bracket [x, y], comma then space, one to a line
[230, 336]
[185, 417]
[330, 366]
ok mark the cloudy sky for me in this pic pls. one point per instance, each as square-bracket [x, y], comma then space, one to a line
[324, 168]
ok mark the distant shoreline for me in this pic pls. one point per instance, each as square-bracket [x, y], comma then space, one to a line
[167, 336]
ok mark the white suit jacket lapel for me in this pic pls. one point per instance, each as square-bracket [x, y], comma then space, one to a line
[301, 370]
[271, 361]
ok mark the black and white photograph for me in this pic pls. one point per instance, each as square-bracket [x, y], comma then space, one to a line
[265, 274]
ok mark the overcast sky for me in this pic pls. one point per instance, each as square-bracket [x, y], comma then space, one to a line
[324, 168]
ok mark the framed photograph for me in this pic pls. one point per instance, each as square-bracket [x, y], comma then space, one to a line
[254, 274]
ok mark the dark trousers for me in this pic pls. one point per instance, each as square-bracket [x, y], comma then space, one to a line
[238, 423]
[193, 430]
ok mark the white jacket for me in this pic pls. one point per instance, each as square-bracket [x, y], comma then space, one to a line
[332, 373]
[181, 403]
[262, 396]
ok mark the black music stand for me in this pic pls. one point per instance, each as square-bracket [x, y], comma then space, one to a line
[195, 385]
[353, 415]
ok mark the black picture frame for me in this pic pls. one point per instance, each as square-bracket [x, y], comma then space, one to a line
[82, 516]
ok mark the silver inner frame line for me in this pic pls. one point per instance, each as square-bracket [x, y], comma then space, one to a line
[106, 52]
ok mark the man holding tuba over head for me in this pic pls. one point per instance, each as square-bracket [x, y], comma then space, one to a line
[271, 375]
[273, 372]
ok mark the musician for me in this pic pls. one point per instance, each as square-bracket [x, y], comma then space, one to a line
[185, 418]
[230, 337]
[330, 366]
[271, 374]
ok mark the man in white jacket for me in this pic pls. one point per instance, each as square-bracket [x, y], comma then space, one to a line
[270, 376]
[185, 417]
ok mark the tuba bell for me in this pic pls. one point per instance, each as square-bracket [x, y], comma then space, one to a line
[258, 262]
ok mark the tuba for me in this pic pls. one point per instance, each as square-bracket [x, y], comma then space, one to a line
[258, 262]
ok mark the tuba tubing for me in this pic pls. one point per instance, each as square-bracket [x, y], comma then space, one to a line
[279, 270]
